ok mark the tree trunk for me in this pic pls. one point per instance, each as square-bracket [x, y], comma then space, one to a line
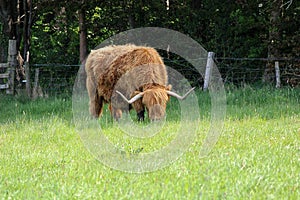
[128, 7]
[274, 39]
[27, 6]
[131, 21]
[16, 18]
[196, 4]
[3, 17]
[83, 52]
[83, 35]
[8, 14]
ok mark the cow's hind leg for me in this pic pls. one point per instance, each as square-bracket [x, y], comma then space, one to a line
[95, 103]
[98, 105]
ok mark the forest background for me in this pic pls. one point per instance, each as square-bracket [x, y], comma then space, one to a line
[64, 31]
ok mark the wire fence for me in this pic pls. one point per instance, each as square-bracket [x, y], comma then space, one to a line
[54, 79]
[58, 79]
[252, 70]
[241, 71]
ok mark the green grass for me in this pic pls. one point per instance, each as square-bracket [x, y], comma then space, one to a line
[256, 157]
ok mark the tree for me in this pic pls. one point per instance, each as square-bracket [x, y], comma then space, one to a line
[27, 5]
[64, 31]
[16, 20]
[8, 29]
[83, 33]
[274, 39]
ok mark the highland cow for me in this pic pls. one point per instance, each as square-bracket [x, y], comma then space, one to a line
[116, 73]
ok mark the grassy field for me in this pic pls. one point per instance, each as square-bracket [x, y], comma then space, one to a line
[256, 157]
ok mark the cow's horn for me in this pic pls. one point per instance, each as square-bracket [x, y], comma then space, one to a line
[178, 96]
[133, 99]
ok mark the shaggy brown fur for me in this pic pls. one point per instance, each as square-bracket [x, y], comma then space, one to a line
[129, 69]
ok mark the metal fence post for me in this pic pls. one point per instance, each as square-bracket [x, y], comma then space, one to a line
[277, 72]
[208, 70]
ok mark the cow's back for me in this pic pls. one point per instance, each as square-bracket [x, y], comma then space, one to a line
[110, 63]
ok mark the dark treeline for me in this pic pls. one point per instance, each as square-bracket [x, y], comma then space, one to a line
[63, 31]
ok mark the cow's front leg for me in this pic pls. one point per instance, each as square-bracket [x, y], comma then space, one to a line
[116, 113]
[141, 115]
[140, 110]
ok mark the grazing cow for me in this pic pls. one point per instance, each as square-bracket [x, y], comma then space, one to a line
[116, 73]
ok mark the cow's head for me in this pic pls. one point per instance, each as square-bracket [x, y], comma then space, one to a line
[154, 99]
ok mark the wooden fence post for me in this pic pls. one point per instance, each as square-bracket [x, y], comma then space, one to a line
[27, 74]
[36, 91]
[12, 63]
[28, 82]
[5, 75]
[208, 70]
[277, 72]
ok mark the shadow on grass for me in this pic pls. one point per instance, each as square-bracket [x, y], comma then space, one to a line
[14, 108]
[247, 101]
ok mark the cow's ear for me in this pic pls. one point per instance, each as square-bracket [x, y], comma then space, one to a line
[169, 87]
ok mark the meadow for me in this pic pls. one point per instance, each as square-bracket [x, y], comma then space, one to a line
[257, 155]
